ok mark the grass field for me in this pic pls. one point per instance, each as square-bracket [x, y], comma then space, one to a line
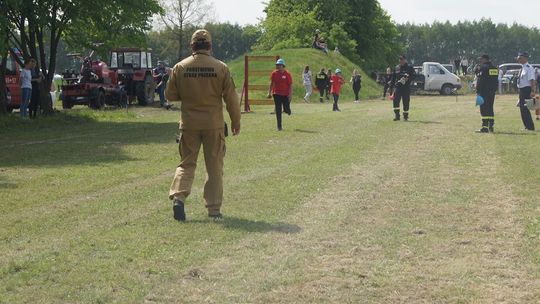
[343, 207]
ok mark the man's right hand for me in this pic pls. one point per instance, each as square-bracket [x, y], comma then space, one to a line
[235, 130]
[269, 95]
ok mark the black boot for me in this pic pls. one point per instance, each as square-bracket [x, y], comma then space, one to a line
[406, 116]
[397, 118]
[178, 210]
[491, 126]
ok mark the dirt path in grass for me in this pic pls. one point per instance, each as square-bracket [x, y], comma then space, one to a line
[429, 225]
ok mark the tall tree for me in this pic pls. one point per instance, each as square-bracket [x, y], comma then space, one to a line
[361, 29]
[36, 27]
[178, 14]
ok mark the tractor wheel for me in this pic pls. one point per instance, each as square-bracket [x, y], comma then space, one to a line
[67, 103]
[145, 91]
[9, 109]
[98, 102]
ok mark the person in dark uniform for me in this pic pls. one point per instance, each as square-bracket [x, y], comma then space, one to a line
[488, 80]
[401, 83]
[321, 82]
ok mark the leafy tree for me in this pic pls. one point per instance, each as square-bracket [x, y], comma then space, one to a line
[36, 27]
[229, 41]
[360, 28]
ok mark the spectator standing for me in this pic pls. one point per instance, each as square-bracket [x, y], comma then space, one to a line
[37, 77]
[161, 76]
[457, 65]
[321, 82]
[26, 86]
[464, 65]
[337, 82]
[386, 81]
[356, 81]
[308, 83]
[329, 85]
[527, 89]
[538, 90]
[281, 89]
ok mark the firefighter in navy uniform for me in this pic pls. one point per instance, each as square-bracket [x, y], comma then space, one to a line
[401, 84]
[488, 81]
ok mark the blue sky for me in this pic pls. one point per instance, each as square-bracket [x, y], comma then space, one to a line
[526, 12]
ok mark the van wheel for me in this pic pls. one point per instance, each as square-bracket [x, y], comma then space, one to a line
[9, 109]
[447, 89]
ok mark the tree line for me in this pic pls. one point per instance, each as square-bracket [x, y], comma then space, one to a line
[444, 42]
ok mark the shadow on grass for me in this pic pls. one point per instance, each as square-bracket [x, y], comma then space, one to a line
[306, 131]
[78, 138]
[426, 122]
[6, 184]
[252, 226]
[515, 133]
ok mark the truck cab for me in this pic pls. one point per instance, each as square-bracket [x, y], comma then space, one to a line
[434, 77]
[13, 76]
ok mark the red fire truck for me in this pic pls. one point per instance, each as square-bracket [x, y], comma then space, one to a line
[13, 74]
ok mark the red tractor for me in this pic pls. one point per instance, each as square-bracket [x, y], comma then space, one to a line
[128, 77]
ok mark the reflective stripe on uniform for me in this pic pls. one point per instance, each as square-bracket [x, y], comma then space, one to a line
[488, 117]
[396, 109]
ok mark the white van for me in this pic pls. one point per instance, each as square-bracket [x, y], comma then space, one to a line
[433, 77]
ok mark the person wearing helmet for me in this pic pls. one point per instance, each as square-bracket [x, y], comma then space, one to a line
[281, 90]
[401, 84]
[337, 81]
[202, 83]
[487, 83]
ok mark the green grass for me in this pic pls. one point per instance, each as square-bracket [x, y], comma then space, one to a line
[296, 60]
[339, 208]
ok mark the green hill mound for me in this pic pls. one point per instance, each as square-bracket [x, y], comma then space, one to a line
[296, 60]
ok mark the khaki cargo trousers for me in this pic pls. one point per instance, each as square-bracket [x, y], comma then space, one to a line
[213, 143]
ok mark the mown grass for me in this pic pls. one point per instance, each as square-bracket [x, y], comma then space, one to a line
[340, 207]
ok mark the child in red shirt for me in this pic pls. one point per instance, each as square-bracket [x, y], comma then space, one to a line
[281, 90]
[336, 82]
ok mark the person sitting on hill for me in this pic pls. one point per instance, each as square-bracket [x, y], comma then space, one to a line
[319, 43]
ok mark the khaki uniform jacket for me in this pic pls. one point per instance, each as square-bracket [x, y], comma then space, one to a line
[202, 83]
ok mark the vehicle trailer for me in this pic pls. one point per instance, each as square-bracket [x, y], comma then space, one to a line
[128, 77]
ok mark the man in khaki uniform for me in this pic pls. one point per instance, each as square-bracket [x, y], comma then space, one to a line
[202, 83]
